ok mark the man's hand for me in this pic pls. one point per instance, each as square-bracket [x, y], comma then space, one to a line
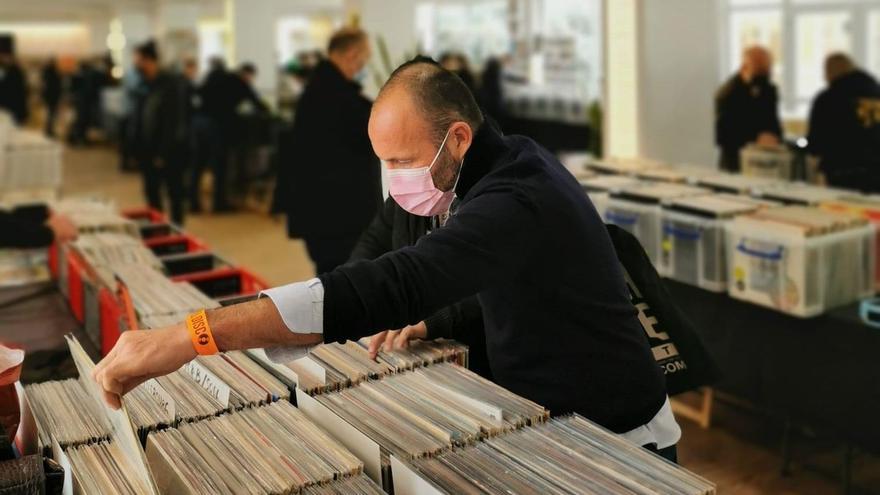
[140, 355]
[396, 339]
[62, 227]
[767, 140]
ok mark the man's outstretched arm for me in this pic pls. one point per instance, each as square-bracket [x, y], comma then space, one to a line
[141, 355]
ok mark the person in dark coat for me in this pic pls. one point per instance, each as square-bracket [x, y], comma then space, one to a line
[163, 132]
[395, 228]
[845, 126]
[457, 63]
[13, 87]
[747, 109]
[51, 94]
[332, 185]
[34, 227]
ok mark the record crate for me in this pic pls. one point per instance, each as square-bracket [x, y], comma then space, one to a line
[225, 282]
[803, 194]
[865, 207]
[175, 244]
[192, 262]
[76, 272]
[800, 260]
[693, 247]
[158, 229]
[637, 210]
[600, 187]
[145, 215]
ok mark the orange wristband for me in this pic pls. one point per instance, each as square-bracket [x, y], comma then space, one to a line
[200, 333]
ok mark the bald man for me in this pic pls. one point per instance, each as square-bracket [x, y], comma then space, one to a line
[519, 234]
[747, 109]
[845, 126]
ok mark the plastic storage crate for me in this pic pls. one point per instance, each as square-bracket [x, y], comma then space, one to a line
[804, 194]
[600, 187]
[865, 207]
[693, 247]
[225, 282]
[637, 210]
[175, 244]
[798, 260]
[186, 263]
[771, 163]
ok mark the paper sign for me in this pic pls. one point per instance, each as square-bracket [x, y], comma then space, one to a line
[216, 387]
[164, 398]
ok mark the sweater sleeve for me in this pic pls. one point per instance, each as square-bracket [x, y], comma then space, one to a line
[451, 321]
[487, 242]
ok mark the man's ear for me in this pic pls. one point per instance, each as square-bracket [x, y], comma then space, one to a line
[461, 136]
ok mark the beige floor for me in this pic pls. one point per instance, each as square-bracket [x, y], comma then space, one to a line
[740, 454]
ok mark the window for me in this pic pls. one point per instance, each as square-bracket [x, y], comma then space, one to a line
[800, 34]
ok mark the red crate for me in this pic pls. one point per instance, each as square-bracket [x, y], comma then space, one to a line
[53, 260]
[175, 244]
[145, 214]
[111, 311]
[76, 272]
[224, 282]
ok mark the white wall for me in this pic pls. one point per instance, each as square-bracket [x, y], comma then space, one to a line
[679, 65]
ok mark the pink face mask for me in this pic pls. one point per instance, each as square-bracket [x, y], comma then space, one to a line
[415, 192]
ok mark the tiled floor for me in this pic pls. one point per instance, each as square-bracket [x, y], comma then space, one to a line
[740, 453]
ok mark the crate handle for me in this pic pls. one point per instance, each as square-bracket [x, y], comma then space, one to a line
[620, 219]
[687, 235]
[772, 255]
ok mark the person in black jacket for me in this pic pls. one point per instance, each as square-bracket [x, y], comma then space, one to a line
[52, 87]
[845, 126]
[395, 228]
[163, 132]
[34, 227]
[13, 88]
[330, 181]
[523, 238]
[746, 109]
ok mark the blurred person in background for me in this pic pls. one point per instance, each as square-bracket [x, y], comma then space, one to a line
[845, 126]
[747, 109]
[34, 227]
[85, 88]
[13, 86]
[246, 106]
[51, 93]
[458, 64]
[163, 131]
[134, 92]
[209, 134]
[490, 96]
[330, 180]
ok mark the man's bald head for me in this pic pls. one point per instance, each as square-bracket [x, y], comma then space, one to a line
[757, 61]
[838, 65]
[439, 96]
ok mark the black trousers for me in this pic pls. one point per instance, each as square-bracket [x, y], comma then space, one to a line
[166, 176]
[729, 161]
[329, 252]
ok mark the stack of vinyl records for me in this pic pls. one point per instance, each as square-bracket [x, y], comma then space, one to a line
[250, 384]
[425, 411]
[103, 468]
[358, 484]
[568, 455]
[270, 449]
[64, 410]
[93, 215]
[152, 293]
[105, 251]
[344, 365]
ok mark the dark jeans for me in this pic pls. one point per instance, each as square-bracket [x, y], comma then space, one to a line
[329, 252]
[669, 453]
[729, 161]
[207, 152]
[168, 176]
[51, 116]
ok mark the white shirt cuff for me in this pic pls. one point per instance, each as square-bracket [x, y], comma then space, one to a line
[300, 304]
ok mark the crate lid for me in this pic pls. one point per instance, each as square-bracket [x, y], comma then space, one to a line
[609, 183]
[750, 200]
[739, 183]
[657, 192]
[712, 205]
[804, 194]
[811, 220]
[662, 173]
[623, 166]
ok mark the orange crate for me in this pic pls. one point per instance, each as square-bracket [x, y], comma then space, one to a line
[145, 214]
[175, 244]
[225, 282]
[75, 275]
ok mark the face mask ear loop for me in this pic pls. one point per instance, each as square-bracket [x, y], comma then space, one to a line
[434, 161]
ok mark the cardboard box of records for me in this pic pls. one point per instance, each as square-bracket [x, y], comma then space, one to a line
[800, 260]
[637, 210]
[693, 238]
[866, 207]
[768, 162]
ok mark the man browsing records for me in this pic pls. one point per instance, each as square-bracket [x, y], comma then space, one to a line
[522, 237]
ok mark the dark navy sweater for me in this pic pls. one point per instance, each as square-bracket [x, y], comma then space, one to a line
[560, 327]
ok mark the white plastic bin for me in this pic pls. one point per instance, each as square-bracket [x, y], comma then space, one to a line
[637, 210]
[771, 163]
[693, 245]
[781, 266]
[865, 207]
